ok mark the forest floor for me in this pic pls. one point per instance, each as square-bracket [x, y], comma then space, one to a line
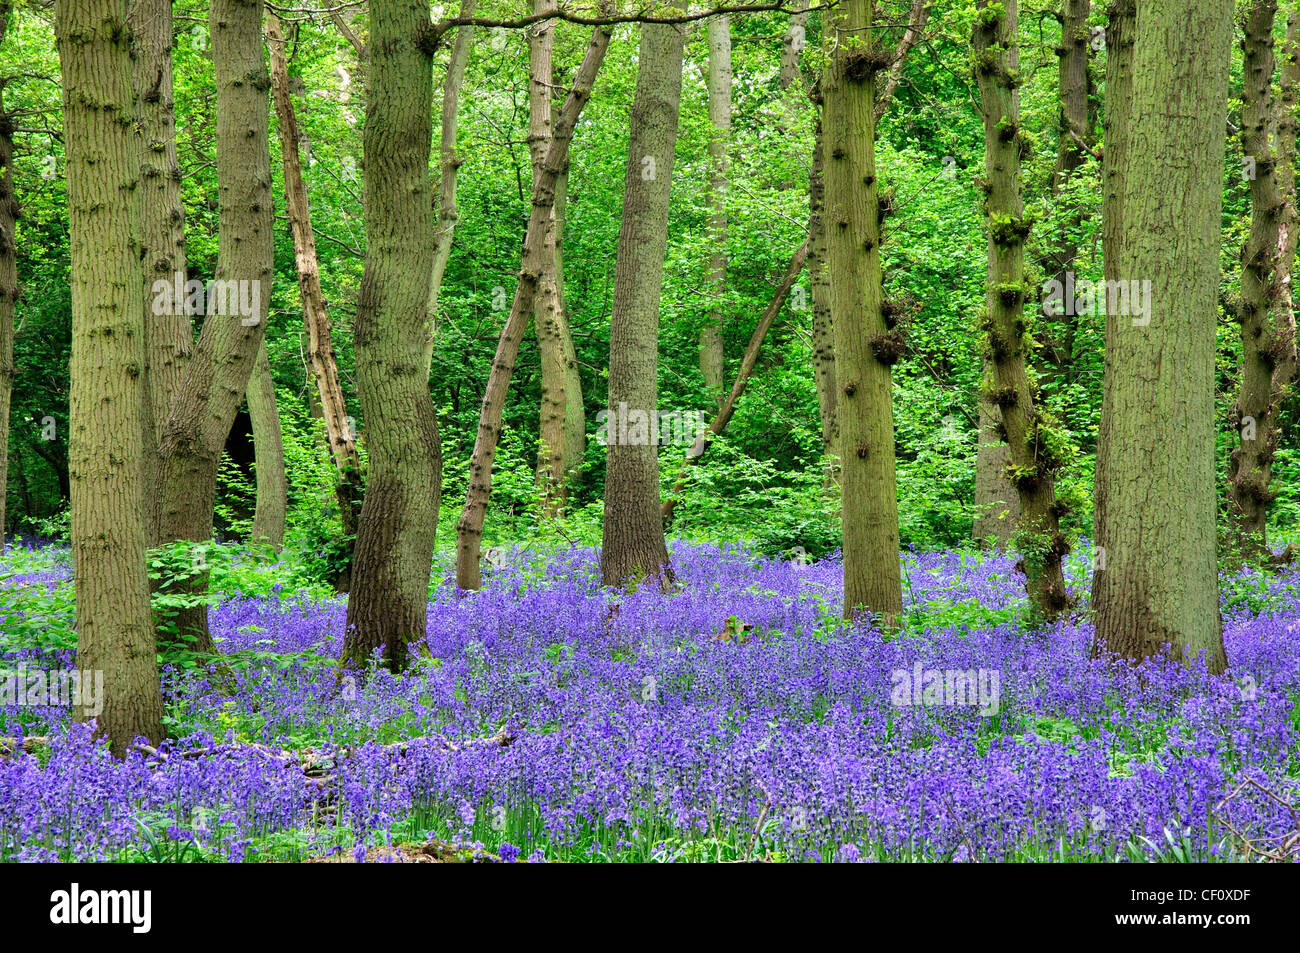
[734, 718]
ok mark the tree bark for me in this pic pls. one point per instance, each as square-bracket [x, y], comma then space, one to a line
[388, 605]
[9, 212]
[1155, 499]
[1073, 134]
[823, 329]
[746, 371]
[217, 374]
[449, 162]
[866, 345]
[712, 354]
[340, 435]
[997, 504]
[552, 329]
[575, 414]
[268, 448]
[793, 43]
[1264, 306]
[169, 337]
[1035, 451]
[115, 637]
[633, 547]
[469, 529]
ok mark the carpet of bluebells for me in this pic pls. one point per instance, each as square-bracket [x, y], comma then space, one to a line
[732, 718]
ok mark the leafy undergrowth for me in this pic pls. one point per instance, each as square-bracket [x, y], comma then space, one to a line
[732, 719]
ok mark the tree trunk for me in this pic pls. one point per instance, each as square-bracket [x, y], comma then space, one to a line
[1034, 445]
[169, 337]
[1155, 500]
[449, 162]
[115, 637]
[633, 547]
[793, 43]
[340, 434]
[469, 529]
[217, 374]
[547, 315]
[712, 355]
[1071, 153]
[575, 414]
[1264, 307]
[823, 329]
[997, 504]
[388, 605]
[9, 211]
[747, 365]
[268, 447]
[866, 345]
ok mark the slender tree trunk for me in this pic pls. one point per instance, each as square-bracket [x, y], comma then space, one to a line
[9, 212]
[115, 637]
[1155, 499]
[449, 162]
[1034, 445]
[388, 605]
[469, 529]
[575, 414]
[746, 371]
[169, 337]
[865, 343]
[633, 547]
[712, 355]
[1071, 153]
[268, 447]
[793, 43]
[340, 434]
[217, 374]
[547, 315]
[917, 17]
[1264, 307]
[823, 329]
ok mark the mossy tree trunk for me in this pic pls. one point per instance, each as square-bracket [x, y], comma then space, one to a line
[712, 354]
[268, 448]
[866, 344]
[216, 377]
[107, 449]
[1155, 483]
[1035, 447]
[388, 604]
[1264, 306]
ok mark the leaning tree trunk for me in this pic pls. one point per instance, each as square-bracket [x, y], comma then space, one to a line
[746, 371]
[712, 356]
[633, 545]
[216, 376]
[1264, 307]
[339, 434]
[1035, 451]
[866, 345]
[268, 449]
[169, 337]
[388, 605]
[1155, 499]
[115, 637]
[469, 529]
[9, 211]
